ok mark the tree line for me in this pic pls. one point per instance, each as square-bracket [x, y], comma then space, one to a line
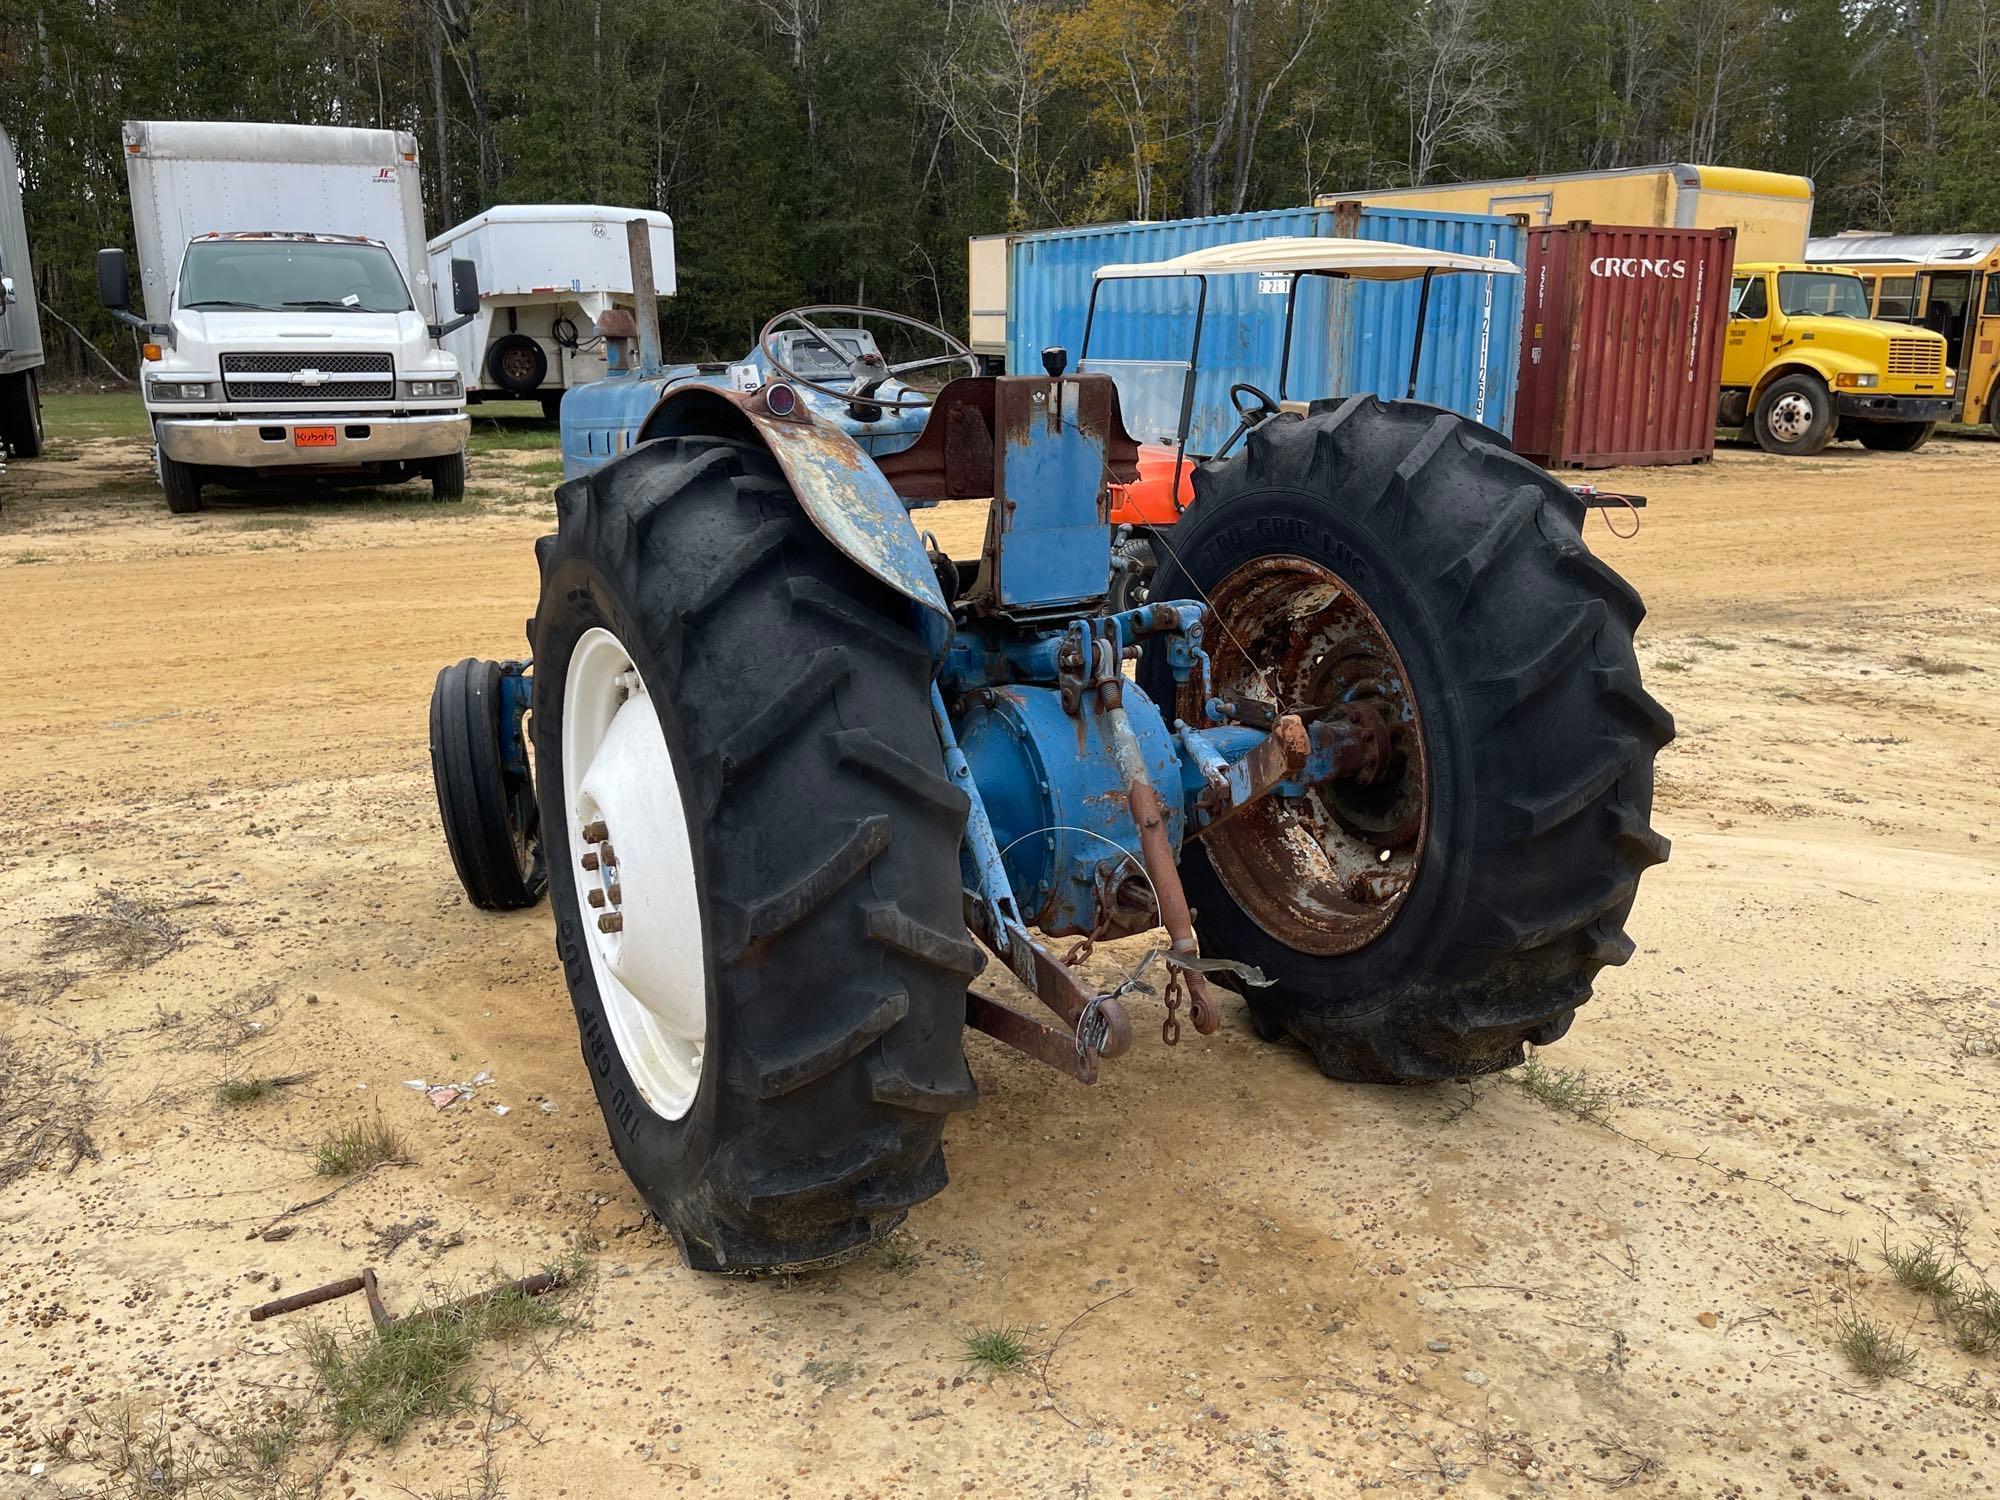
[841, 150]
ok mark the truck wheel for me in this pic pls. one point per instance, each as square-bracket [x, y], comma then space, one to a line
[21, 415]
[492, 823]
[182, 485]
[1424, 926]
[1794, 416]
[753, 854]
[448, 477]
[1896, 437]
[517, 364]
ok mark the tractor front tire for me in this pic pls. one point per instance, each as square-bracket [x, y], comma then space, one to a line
[753, 849]
[1426, 926]
[491, 821]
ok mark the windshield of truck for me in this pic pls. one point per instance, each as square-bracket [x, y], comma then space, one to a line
[1821, 294]
[276, 275]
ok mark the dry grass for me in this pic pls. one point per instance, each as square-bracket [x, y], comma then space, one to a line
[1934, 666]
[157, 1459]
[45, 1116]
[234, 1092]
[120, 933]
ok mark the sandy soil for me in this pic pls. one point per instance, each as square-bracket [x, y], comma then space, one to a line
[1235, 1274]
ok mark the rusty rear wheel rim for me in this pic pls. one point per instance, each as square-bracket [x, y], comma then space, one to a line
[1328, 872]
[518, 364]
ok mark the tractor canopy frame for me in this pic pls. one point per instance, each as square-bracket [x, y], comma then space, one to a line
[1291, 256]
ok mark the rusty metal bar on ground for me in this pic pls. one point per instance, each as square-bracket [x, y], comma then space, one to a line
[347, 1286]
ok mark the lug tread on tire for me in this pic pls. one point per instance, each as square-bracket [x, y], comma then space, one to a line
[1535, 636]
[838, 962]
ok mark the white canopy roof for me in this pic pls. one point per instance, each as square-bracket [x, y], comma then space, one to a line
[1286, 255]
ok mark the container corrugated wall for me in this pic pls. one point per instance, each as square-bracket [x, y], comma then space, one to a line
[1243, 330]
[1471, 328]
[1621, 344]
[1356, 339]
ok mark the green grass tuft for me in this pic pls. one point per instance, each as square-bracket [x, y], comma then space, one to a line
[355, 1148]
[386, 1379]
[1926, 1270]
[997, 1351]
[1874, 1349]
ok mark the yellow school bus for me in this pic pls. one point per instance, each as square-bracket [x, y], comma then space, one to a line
[1948, 283]
[1771, 212]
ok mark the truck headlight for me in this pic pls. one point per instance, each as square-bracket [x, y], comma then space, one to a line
[433, 389]
[1950, 379]
[1854, 382]
[177, 390]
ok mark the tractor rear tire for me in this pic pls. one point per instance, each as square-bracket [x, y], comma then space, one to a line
[1537, 740]
[1895, 437]
[491, 822]
[813, 839]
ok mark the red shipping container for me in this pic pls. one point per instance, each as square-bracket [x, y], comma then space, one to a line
[1621, 344]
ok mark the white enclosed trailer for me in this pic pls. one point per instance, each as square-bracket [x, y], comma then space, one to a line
[20, 328]
[291, 329]
[547, 272]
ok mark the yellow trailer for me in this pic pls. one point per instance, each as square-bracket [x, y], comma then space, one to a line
[1771, 212]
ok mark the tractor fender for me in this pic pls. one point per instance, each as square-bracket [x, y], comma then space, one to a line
[837, 484]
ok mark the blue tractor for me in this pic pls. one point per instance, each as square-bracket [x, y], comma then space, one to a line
[1373, 754]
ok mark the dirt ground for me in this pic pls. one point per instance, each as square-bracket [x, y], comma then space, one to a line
[220, 858]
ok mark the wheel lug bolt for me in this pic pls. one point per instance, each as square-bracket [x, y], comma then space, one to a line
[610, 856]
[595, 898]
[595, 832]
[617, 891]
[590, 860]
[611, 921]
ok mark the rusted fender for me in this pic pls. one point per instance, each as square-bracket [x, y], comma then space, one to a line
[837, 484]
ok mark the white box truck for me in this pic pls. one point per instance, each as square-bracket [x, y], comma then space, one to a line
[20, 328]
[291, 329]
[547, 272]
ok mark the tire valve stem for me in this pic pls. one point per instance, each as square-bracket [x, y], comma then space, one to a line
[611, 921]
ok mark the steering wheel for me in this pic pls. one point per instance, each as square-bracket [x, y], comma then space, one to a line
[1253, 408]
[866, 372]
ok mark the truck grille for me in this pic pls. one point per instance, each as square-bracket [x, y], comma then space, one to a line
[308, 377]
[1916, 357]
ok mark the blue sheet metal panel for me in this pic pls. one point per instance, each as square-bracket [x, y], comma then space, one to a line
[601, 420]
[1151, 322]
[1055, 538]
[1472, 328]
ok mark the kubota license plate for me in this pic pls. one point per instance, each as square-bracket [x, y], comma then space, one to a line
[312, 437]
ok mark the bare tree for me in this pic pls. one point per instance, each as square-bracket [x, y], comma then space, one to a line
[988, 85]
[1453, 81]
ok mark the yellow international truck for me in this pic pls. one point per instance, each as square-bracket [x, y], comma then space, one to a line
[1803, 364]
[1771, 212]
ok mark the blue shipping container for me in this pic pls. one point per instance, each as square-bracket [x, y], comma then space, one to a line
[1348, 336]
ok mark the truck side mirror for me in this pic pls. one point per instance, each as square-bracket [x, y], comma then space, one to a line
[114, 284]
[464, 288]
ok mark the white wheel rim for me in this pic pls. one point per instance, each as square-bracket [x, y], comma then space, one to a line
[1791, 416]
[645, 939]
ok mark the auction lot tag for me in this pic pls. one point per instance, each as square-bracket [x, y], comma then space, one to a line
[313, 437]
